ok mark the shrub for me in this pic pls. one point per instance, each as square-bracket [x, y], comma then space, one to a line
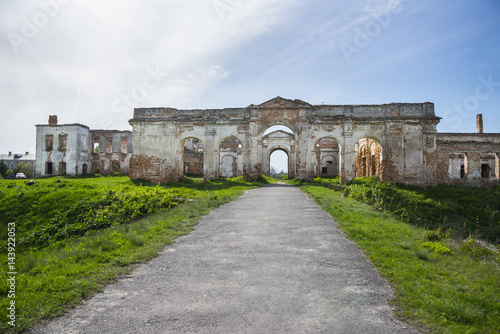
[439, 234]
[434, 207]
[437, 248]
[475, 248]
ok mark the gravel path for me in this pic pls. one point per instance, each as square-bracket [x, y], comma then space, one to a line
[270, 262]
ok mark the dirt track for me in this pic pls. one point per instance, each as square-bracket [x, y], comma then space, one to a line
[270, 262]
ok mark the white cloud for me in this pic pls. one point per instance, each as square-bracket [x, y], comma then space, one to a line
[93, 61]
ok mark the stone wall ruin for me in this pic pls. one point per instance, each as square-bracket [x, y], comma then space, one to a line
[396, 141]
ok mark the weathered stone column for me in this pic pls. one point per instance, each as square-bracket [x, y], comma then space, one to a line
[348, 155]
[254, 147]
[497, 166]
[211, 153]
[168, 168]
[247, 166]
[472, 165]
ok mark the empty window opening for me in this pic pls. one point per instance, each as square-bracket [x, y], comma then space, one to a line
[96, 145]
[485, 171]
[373, 165]
[49, 142]
[63, 140]
[62, 168]
[193, 157]
[48, 168]
[115, 166]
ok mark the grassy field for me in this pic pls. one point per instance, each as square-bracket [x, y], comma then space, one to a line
[441, 284]
[74, 235]
[464, 210]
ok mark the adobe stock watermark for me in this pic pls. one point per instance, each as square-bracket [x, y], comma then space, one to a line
[363, 36]
[11, 274]
[32, 26]
[122, 106]
[223, 7]
[484, 90]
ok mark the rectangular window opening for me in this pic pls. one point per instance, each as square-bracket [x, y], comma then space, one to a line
[115, 166]
[485, 171]
[96, 145]
[49, 142]
[62, 168]
[63, 140]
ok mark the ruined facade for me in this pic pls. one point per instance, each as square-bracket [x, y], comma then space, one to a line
[75, 149]
[397, 141]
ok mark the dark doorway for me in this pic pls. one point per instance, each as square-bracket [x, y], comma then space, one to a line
[48, 168]
[485, 171]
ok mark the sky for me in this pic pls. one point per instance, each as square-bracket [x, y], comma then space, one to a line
[92, 62]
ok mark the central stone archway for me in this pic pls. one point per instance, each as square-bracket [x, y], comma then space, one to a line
[278, 139]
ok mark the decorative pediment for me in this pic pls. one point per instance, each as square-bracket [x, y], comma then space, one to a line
[279, 102]
[279, 134]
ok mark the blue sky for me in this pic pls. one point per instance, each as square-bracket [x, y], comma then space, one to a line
[92, 62]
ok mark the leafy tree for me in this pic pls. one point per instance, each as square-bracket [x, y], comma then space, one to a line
[8, 173]
[276, 174]
[23, 167]
[3, 168]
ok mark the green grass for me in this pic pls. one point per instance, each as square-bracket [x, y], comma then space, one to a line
[439, 286]
[466, 210]
[57, 275]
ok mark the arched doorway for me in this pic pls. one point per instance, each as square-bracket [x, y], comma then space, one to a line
[369, 158]
[282, 140]
[327, 151]
[193, 157]
[231, 157]
[279, 163]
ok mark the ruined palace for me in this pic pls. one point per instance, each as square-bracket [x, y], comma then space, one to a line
[75, 149]
[396, 141]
